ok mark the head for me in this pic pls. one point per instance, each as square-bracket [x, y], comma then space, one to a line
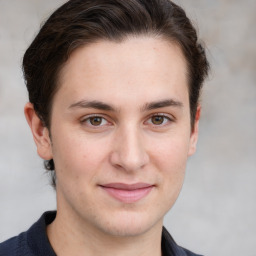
[81, 28]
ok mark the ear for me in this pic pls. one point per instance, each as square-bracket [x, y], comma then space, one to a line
[40, 132]
[194, 133]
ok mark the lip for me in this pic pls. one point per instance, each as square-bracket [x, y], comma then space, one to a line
[127, 193]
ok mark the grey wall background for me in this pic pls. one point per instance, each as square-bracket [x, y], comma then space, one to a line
[215, 214]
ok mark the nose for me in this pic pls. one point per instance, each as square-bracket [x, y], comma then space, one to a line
[129, 152]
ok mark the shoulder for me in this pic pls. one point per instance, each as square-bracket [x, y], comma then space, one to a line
[15, 246]
[170, 248]
[33, 242]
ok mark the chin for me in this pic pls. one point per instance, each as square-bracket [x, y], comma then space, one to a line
[129, 224]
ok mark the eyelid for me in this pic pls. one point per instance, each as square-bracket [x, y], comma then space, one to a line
[87, 117]
[167, 116]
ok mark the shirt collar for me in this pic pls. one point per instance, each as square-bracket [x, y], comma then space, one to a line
[38, 240]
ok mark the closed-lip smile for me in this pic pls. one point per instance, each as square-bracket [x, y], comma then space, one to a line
[127, 193]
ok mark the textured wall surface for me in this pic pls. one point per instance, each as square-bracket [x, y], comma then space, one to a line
[215, 214]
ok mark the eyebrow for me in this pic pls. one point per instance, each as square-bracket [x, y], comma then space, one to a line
[104, 106]
[162, 104]
[92, 104]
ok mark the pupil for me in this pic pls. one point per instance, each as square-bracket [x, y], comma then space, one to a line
[157, 120]
[95, 120]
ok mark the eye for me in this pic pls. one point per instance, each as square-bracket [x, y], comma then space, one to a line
[95, 121]
[159, 120]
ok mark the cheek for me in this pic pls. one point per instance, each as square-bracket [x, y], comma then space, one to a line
[171, 152]
[171, 163]
[170, 159]
[76, 157]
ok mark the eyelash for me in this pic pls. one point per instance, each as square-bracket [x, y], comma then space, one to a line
[87, 119]
[166, 118]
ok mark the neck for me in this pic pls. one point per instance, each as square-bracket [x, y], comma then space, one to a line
[69, 238]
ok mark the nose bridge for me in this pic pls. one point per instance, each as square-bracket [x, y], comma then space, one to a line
[130, 152]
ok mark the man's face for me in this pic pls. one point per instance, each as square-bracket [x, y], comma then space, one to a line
[121, 135]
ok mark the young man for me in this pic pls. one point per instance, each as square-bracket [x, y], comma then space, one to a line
[113, 89]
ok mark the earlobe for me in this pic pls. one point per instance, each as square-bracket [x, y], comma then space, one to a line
[194, 132]
[39, 131]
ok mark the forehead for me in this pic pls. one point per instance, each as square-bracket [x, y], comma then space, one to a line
[135, 66]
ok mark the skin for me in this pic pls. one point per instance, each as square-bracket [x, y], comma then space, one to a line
[132, 140]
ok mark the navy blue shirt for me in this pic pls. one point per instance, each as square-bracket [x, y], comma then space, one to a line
[34, 242]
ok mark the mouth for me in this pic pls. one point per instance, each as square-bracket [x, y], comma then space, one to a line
[127, 193]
